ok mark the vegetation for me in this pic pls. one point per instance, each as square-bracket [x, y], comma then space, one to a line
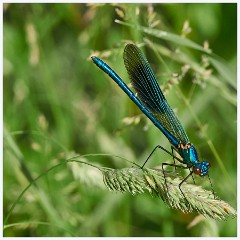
[59, 105]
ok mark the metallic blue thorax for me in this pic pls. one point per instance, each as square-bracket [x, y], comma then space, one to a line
[188, 153]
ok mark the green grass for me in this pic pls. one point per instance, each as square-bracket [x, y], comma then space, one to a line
[58, 104]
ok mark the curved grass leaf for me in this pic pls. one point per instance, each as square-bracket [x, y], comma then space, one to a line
[171, 37]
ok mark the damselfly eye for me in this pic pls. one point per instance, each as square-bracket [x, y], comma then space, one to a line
[197, 171]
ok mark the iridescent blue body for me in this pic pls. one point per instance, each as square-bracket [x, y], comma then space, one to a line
[154, 105]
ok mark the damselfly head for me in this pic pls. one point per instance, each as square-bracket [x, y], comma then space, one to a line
[201, 168]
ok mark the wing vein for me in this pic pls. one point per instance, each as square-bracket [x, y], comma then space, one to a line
[149, 92]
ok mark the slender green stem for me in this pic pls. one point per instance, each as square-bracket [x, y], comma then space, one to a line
[37, 223]
[72, 159]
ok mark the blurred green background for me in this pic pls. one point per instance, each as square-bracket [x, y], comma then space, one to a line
[57, 104]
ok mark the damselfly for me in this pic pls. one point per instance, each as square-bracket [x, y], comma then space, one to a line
[153, 104]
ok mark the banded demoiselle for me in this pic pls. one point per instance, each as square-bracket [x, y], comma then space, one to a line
[151, 101]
